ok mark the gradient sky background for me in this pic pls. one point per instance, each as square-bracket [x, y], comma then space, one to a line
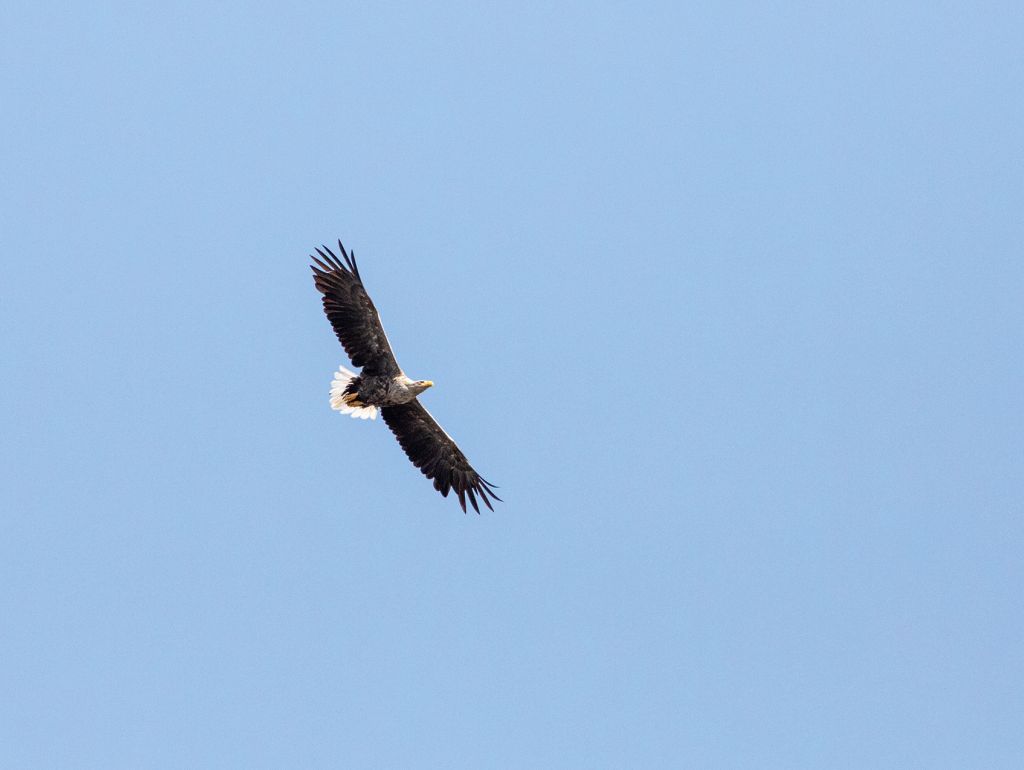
[727, 299]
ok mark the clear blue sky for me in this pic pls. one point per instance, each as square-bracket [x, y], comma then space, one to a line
[727, 299]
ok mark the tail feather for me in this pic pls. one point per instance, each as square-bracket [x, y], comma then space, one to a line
[347, 401]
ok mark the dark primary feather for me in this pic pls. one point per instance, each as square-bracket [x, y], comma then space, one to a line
[351, 312]
[433, 452]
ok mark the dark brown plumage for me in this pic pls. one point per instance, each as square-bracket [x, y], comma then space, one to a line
[435, 453]
[352, 313]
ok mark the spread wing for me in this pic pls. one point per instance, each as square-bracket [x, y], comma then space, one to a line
[352, 313]
[434, 452]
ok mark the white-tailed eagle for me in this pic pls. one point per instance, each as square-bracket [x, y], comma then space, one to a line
[383, 386]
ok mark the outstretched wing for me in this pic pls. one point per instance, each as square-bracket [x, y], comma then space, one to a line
[352, 313]
[433, 452]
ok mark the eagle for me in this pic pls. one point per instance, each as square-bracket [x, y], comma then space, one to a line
[382, 385]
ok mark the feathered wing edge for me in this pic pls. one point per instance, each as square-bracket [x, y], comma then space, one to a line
[436, 455]
[334, 263]
[351, 312]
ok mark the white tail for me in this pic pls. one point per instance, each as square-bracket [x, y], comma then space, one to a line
[347, 403]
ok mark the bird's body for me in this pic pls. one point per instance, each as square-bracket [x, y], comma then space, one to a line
[381, 390]
[383, 386]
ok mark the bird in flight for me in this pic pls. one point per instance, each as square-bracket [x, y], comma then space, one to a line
[382, 385]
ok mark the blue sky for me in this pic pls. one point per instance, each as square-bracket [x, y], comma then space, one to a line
[726, 298]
